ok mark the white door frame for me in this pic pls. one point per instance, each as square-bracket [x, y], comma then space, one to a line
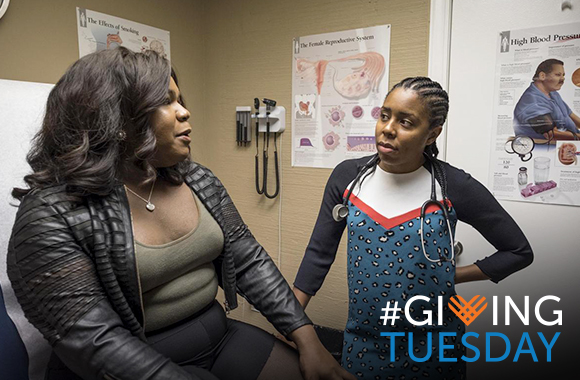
[439, 52]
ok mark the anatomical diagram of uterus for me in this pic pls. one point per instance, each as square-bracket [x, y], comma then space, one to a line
[359, 81]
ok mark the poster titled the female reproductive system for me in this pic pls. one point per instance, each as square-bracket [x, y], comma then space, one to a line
[339, 81]
[99, 31]
[536, 119]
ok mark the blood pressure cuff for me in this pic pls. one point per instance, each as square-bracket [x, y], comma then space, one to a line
[542, 123]
[534, 107]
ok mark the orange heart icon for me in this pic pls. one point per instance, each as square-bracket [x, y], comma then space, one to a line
[467, 311]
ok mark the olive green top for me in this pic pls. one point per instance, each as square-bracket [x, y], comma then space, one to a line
[178, 278]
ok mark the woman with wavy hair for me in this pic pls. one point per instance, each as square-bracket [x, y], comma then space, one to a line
[120, 242]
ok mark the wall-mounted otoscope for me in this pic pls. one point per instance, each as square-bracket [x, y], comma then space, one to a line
[270, 118]
[257, 159]
[270, 104]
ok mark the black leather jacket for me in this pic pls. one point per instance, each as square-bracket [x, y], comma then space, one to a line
[72, 265]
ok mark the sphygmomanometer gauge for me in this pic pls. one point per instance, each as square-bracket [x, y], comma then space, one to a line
[522, 146]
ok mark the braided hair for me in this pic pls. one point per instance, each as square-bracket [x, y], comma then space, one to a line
[436, 102]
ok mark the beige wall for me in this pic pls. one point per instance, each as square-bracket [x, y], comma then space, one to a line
[38, 39]
[226, 53]
[248, 46]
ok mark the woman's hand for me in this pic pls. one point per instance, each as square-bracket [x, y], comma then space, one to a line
[316, 363]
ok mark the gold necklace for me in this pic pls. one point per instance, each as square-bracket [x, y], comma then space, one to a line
[149, 206]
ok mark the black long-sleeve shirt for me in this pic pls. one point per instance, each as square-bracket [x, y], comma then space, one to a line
[473, 203]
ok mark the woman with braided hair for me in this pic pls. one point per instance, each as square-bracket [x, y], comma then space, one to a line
[394, 254]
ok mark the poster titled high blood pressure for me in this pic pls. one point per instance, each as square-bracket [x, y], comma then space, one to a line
[339, 81]
[536, 121]
[99, 31]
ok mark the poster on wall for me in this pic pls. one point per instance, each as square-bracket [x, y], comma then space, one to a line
[99, 31]
[339, 81]
[536, 121]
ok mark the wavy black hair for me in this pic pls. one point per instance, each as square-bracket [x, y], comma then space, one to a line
[97, 124]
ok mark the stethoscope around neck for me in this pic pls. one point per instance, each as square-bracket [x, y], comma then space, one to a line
[340, 211]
